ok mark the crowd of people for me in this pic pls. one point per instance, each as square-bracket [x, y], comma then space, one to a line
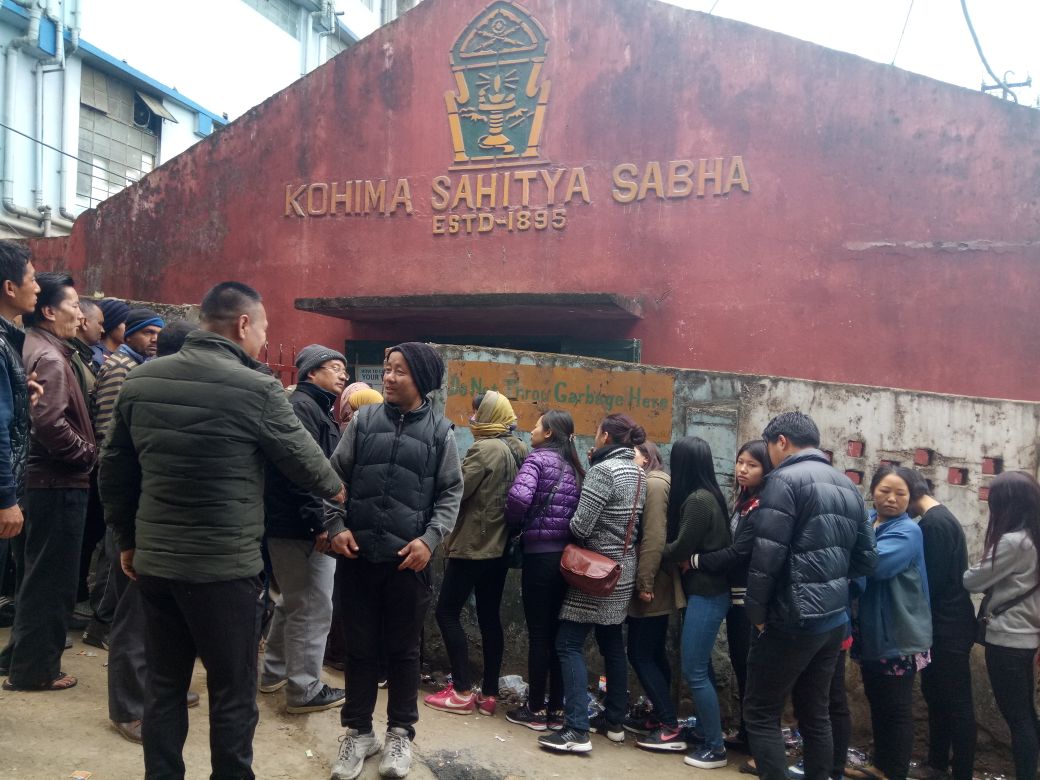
[158, 477]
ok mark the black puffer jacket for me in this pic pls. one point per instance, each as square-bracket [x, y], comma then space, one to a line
[812, 536]
[289, 512]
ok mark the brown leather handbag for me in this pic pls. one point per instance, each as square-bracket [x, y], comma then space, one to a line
[592, 573]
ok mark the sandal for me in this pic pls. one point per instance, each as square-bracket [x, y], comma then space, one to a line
[749, 768]
[60, 683]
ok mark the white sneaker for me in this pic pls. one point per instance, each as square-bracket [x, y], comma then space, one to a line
[354, 748]
[397, 754]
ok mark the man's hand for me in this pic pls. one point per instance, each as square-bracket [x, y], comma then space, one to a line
[126, 560]
[343, 544]
[321, 542]
[646, 595]
[341, 496]
[416, 555]
[10, 522]
[35, 389]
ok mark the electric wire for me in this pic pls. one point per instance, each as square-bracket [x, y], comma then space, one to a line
[901, 34]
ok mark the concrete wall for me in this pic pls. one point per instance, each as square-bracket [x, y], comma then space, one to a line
[727, 409]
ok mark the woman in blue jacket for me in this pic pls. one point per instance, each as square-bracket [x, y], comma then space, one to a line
[895, 623]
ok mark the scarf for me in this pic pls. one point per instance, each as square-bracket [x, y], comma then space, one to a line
[494, 417]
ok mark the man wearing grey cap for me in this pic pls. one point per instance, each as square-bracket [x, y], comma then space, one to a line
[295, 531]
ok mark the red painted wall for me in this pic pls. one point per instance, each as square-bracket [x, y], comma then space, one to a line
[829, 268]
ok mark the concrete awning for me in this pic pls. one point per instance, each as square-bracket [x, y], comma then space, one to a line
[478, 307]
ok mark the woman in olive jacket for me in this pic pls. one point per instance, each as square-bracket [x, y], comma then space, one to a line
[474, 551]
[658, 594]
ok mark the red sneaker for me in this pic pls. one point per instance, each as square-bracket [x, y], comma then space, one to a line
[486, 705]
[449, 701]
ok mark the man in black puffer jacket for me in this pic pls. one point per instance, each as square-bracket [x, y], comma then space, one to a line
[812, 537]
[296, 539]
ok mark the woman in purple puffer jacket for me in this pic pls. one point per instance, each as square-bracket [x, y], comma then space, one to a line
[540, 504]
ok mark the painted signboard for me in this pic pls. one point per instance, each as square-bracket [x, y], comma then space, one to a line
[588, 394]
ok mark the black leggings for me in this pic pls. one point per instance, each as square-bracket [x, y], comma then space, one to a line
[1011, 675]
[543, 590]
[487, 579]
[892, 718]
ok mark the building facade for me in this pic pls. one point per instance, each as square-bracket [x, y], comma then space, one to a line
[619, 178]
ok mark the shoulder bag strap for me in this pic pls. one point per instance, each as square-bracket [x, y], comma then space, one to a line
[632, 516]
[1012, 602]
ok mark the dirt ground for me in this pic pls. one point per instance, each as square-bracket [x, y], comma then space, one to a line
[54, 734]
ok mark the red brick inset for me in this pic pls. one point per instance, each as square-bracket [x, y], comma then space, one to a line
[855, 448]
[856, 477]
[923, 456]
[957, 476]
[992, 466]
[984, 493]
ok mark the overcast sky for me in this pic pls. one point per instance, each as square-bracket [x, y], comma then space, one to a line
[192, 43]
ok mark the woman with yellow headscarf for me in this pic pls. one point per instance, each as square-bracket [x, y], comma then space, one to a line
[475, 555]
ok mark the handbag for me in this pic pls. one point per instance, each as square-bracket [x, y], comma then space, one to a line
[982, 621]
[592, 573]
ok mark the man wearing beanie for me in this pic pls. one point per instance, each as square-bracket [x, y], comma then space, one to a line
[142, 328]
[295, 531]
[400, 465]
[115, 312]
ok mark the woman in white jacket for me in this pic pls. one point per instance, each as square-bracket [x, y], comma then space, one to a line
[1009, 576]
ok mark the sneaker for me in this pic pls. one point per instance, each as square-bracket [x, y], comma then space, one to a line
[796, 771]
[612, 731]
[271, 687]
[663, 738]
[96, 635]
[643, 725]
[567, 740]
[706, 758]
[449, 701]
[354, 748]
[522, 716]
[556, 720]
[382, 683]
[486, 705]
[326, 699]
[397, 754]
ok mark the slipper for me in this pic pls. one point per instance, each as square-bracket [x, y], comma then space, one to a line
[747, 768]
[61, 683]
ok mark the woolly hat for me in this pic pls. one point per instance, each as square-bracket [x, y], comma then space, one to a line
[141, 318]
[425, 363]
[312, 356]
[115, 312]
[364, 397]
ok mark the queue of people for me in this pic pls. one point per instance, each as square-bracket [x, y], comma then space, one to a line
[219, 492]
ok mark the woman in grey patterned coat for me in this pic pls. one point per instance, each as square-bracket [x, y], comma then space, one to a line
[613, 493]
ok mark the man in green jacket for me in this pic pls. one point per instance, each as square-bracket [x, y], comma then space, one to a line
[182, 482]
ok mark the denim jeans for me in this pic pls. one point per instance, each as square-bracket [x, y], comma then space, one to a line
[570, 644]
[649, 658]
[1011, 675]
[704, 616]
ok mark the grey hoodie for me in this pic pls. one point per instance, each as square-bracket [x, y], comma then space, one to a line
[1009, 571]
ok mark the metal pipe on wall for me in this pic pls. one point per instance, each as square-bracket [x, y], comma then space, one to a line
[10, 82]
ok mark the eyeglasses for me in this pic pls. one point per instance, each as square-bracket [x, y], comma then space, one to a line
[338, 370]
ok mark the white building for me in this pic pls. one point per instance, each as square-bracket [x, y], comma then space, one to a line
[78, 123]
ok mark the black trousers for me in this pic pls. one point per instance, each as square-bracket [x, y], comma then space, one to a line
[841, 718]
[485, 579]
[738, 636]
[946, 685]
[383, 614]
[220, 623]
[543, 589]
[648, 655]
[892, 719]
[802, 665]
[1011, 675]
[93, 532]
[127, 653]
[49, 547]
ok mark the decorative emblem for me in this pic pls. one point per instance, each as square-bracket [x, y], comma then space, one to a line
[498, 112]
